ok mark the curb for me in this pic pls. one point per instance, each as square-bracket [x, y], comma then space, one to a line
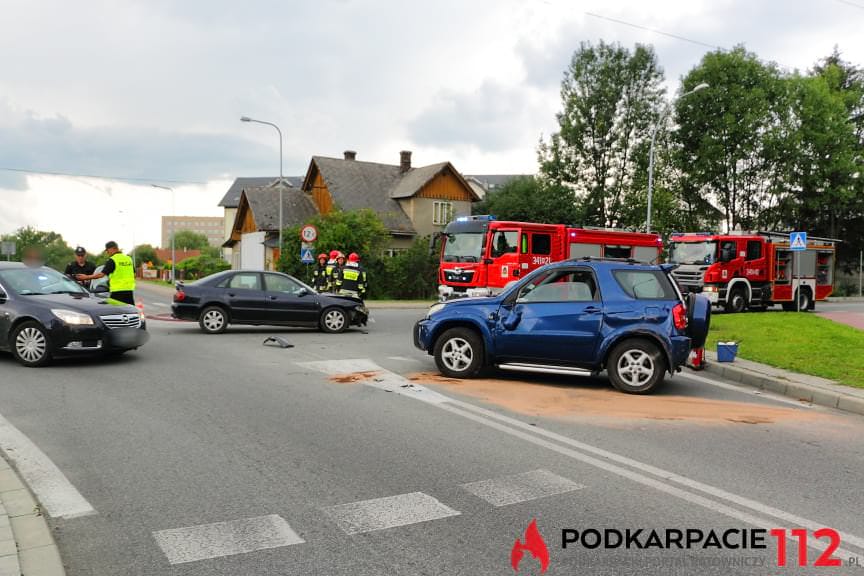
[817, 391]
[27, 547]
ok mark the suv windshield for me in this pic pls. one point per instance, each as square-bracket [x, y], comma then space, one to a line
[692, 252]
[38, 282]
[463, 247]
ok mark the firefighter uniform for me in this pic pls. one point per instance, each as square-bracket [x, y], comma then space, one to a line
[352, 280]
[320, 277]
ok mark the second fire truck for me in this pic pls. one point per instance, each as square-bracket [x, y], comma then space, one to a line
[481, 255]
[753, 270]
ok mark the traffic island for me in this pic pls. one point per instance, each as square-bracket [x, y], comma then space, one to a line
[27, 547]
[810, 389]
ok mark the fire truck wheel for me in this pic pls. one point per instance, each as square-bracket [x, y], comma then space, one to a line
[636, 366]
[459, 353]
[737, 301]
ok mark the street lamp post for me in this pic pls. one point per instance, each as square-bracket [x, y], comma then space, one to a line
[662, 117]
[281, 180]
[173, 231]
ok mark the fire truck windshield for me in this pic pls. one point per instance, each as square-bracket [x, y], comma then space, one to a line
[463, 247]
[692, 252]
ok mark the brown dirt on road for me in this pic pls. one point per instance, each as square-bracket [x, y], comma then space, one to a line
[353, 377]
[577, 401]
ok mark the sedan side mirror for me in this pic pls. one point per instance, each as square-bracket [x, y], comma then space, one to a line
[302, 292]
[3, 297]
[100, 289]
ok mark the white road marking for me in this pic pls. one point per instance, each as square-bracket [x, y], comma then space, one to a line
[383, 379]
[53, 490]
[743, 390]
[162, 304]
[389, 512]
[663, 481]
[195, 543]
[523, 487]
[401, 359]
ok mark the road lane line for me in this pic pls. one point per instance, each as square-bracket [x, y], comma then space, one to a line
[194, 543]
[382, 379]
[162, 304]
[57, 496]
[533, 434]
[517, 488]
[388, 512]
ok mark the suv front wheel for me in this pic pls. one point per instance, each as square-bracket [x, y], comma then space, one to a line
[636, 366]
[459, 353]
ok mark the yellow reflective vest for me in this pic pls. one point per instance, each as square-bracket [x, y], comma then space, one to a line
[123, 277]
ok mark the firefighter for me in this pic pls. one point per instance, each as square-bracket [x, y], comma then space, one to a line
[331, 264]
[320, 279]
[352, 278]
[336, 273]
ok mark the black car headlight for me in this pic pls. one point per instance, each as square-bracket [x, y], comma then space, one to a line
[73, 318]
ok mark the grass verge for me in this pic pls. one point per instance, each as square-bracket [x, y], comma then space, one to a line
[803, 343]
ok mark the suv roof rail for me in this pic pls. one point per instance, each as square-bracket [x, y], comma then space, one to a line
[604, 259]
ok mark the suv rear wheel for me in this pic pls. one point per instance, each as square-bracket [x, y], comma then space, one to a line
[636, 366]
[459, 353]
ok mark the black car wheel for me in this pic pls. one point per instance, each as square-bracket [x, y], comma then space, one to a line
[30, 345]
[213, 320]
[459, 353]
[636, 366]
[737, 301]
[334, 320]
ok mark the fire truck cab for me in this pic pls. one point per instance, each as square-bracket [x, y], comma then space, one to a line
[753, 270]
[481, 255]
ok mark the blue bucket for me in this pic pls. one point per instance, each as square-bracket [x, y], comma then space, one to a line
[726, 351]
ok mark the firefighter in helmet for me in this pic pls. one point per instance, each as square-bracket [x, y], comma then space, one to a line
[320, 279]
[336, 272]
[352, 278]
[331, 264]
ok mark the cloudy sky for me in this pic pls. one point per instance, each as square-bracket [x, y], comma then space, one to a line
[152, 91]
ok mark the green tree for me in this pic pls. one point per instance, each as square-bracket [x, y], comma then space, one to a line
[200, 266]
[190, 240]
[530, 199]
[56, 252]
[146, 253]
[611, 97]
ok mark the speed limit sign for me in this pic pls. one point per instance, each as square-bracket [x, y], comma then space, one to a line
[308, 233]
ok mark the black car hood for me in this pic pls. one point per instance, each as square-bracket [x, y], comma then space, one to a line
[340, 299]
[82, 303]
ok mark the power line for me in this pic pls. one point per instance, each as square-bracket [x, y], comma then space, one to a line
[655, 31]
[850, 3]
[99, 176]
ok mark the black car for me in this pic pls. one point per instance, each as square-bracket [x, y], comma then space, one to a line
[45, 315]
[259, 298]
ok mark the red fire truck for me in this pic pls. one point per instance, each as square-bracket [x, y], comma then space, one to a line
[481, 255]
[753, 269]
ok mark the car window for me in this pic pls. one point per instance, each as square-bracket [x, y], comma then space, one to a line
[541, 244]
[250, 281]
[278, 283]
[560, 286]
[645, 284]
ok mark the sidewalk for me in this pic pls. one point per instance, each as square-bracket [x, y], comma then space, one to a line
[798, 386]
[26, 545]
[854, 319]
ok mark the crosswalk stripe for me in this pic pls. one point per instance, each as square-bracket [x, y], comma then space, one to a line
[524, 487]
[193, 543]
[389, 512]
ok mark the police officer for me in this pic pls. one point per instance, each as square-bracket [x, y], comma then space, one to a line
[320, 279]
[80, 265]
[352, 278]
[120, 272]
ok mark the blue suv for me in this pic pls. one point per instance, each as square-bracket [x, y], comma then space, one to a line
[573, 317]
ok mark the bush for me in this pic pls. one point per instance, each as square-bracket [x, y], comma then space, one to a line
[201, 266]
[413, 274]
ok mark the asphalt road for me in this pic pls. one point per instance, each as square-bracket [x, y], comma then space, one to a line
[346, 455]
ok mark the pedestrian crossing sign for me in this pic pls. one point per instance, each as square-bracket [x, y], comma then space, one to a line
[306, 256]
[798, 241]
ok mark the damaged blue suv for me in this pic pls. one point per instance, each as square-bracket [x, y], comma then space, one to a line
[574, 317]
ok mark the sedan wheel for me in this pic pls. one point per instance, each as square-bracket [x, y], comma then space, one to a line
[213, 320]
[334, 320]
[30, 345]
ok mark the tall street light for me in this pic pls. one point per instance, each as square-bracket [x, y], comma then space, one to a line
[281, 180]
[660, 120]
[173, 230]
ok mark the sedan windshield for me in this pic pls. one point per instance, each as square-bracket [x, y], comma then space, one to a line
[463, 247]
[692, 252]
[38, 282]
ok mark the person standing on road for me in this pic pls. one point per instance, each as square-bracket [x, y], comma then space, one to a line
[336, 273]
[120, 272]
[80, 266]
[320, 279]
[352, 278]
[331, 263]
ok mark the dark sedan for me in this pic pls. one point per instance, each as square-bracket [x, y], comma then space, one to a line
[45, 315]
[259, 298]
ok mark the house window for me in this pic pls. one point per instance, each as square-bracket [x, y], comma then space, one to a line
[442, 213]
[391, 252]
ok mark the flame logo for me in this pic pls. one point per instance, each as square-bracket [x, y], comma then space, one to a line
[534, 544]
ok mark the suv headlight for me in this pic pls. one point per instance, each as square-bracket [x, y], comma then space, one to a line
[437, 307]
[73, 318]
